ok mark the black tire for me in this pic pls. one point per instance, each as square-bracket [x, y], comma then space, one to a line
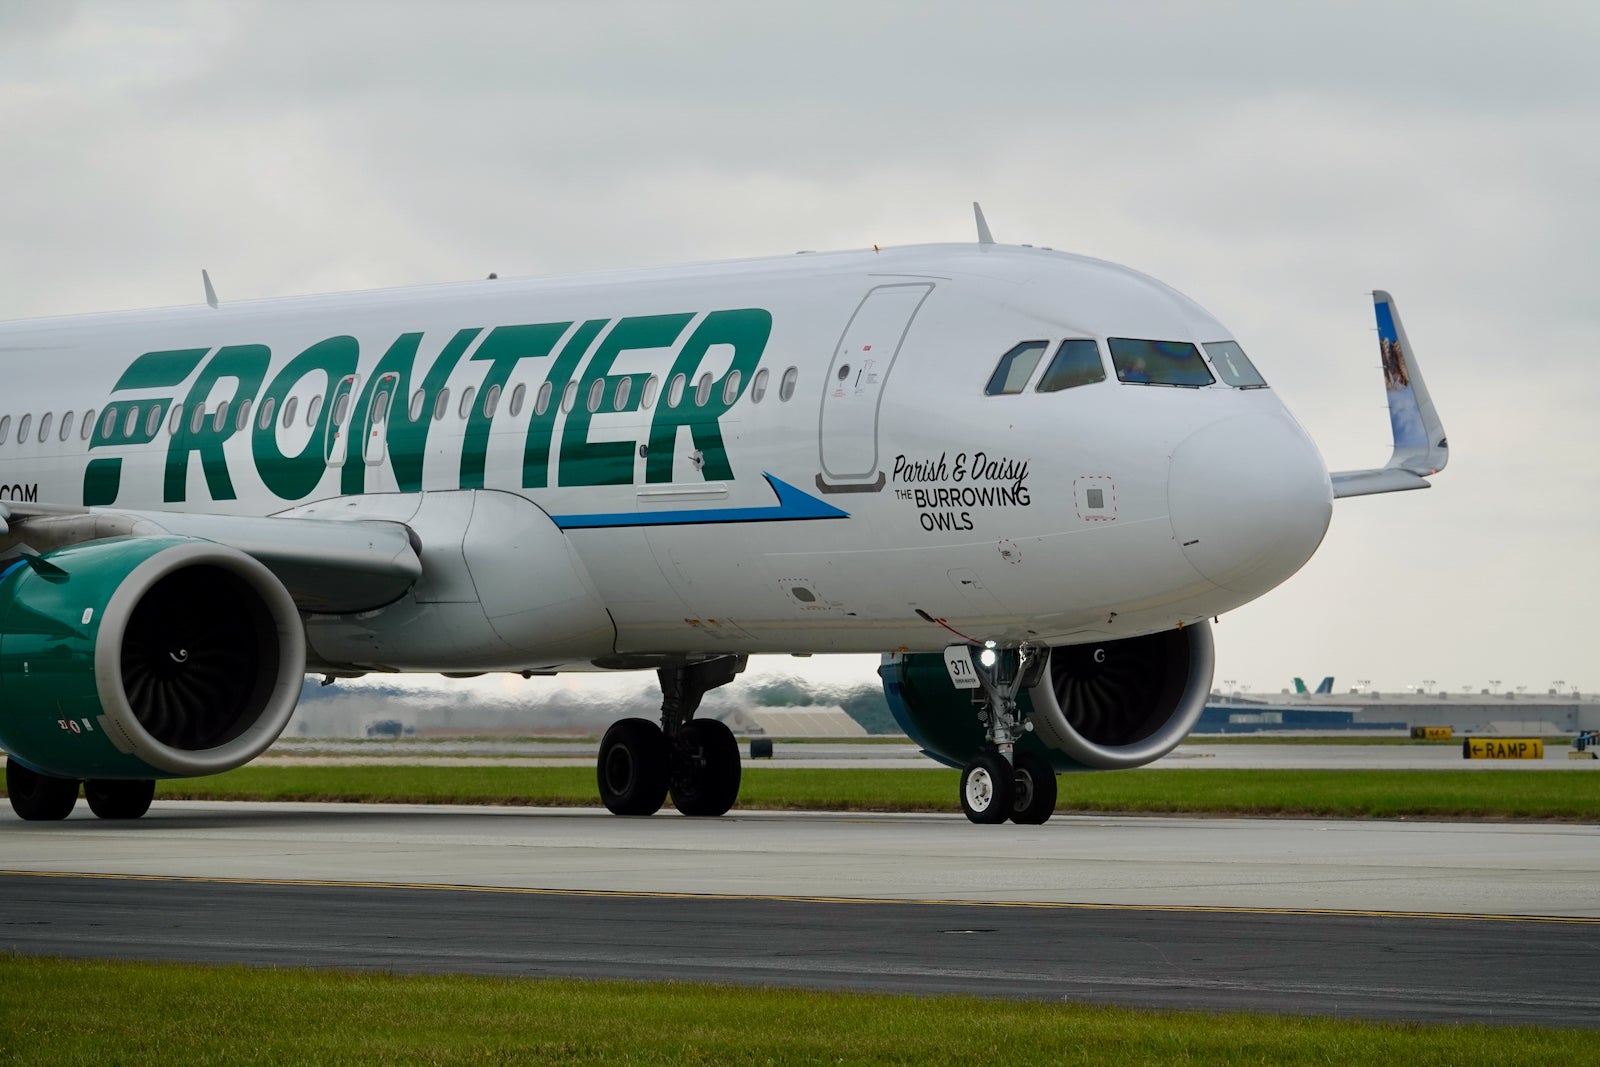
[39, 797]
[119, 798]
[632, 768]
[986, 788]
[706, 771]
[1033, 789]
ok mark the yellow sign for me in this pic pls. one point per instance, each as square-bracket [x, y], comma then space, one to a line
[1432, 733]
[1502, 748]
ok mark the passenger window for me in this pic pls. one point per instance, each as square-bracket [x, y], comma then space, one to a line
[675, 391]
[108, 425]
[1077, 362]
[791, 378]
[288, 411]
[619, 399]
[441, 405]
[518, 395]
[648, 397]
[23, 427]
[758, 386]
[1159, 363]
[131, 423]
[596, 392]
[418, 399]
[313, 409]
[1235, 368]
[491, 401]
[5, 428]
[264, 420]
[730, 388]
[702, 392]
[1011, 374]
[44, 427]
[241, 421]
[466, 401]
[569, 396]
[152, 421]
[86, 427]
[176, 421]
[66, 426]
[380, 406]
[198, 419]
[541, 403]
[220, 419]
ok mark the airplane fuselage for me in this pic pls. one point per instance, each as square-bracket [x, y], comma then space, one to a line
[795, 455]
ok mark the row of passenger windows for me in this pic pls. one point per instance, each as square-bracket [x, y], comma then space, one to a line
[124, 422]
[1077, 362]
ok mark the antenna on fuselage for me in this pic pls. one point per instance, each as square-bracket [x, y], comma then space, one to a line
[211, 294]
[984, 236]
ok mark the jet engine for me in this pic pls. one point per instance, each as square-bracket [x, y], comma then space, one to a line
[143, 658]
[1103, 705]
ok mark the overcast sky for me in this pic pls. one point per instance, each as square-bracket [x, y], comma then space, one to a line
[1274, 161]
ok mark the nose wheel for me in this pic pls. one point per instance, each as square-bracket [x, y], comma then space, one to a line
[1002, 783]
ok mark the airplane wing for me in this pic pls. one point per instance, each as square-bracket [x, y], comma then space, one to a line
[1420, 446]
[328, 565]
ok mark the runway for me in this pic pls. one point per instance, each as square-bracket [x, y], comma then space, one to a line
[1381, 919]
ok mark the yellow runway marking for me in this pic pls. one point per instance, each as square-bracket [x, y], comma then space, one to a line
[627, 894]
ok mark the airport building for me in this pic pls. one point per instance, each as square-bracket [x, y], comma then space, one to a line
[1483, 712]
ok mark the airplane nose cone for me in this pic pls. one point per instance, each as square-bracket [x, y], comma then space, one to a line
[1250, 501]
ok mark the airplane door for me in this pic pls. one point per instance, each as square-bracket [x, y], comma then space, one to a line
[854, 387]
[376, 441]
[335, 447]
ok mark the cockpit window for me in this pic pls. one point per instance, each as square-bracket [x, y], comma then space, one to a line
[1158, 362]
[1077, 362]
[1015, 368]
[1236, 370]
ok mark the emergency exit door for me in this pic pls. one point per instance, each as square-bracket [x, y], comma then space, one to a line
[853, 391]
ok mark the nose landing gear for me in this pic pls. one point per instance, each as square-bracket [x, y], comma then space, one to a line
[1002, 783]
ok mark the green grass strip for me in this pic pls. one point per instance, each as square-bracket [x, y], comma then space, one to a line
[94, 1013]
[1488, 794]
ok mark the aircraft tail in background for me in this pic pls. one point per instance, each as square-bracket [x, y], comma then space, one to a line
[1325, 687]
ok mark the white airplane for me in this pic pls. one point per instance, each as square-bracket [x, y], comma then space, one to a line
[1028, 478]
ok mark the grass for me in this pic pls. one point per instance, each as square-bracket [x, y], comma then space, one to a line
[1487, 794]
[92, 1013]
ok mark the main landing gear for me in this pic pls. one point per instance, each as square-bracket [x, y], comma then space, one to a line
[694, 760]
[1001, 782]
[39, 797]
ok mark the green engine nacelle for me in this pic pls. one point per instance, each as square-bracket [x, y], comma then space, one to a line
[1102, 705]
[159, 657]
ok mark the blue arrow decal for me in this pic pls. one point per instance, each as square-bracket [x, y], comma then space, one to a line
[792, 505]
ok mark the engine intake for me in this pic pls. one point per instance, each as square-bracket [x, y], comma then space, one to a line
[152, 657]
[1105, 705]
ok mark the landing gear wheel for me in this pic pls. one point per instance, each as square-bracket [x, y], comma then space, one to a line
[39, 797]
[632, 767]
[986, 788]
[112, 798]
[1033, 783]
[705, 773]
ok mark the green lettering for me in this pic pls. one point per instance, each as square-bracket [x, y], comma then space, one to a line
[158, 369]
[247, 365]
[586, 462]
[541, 426]
[747, 330]
[294, 477]
[503, 349]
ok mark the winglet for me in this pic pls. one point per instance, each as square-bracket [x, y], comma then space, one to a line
[211, 294]
[984, 236]
[1420, 446]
